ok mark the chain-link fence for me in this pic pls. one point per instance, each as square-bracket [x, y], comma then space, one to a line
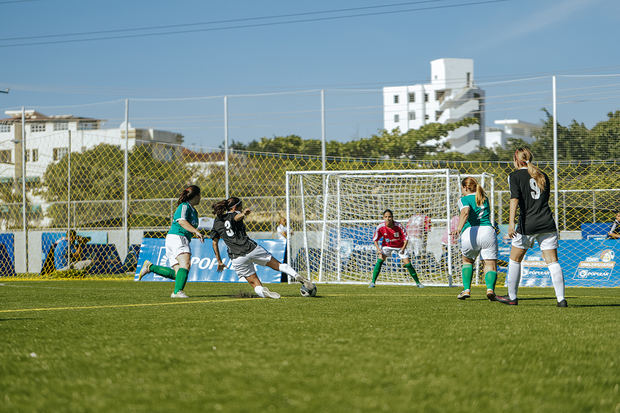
[115, 185]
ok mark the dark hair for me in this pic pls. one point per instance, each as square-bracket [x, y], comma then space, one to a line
[188, 193]
[388, 210]
[221, 208]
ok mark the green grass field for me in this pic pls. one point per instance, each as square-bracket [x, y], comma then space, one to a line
[126, 346]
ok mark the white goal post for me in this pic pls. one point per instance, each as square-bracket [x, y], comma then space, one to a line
[332, 216]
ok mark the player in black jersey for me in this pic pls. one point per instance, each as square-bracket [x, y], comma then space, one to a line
[529, 190]
[242, 250]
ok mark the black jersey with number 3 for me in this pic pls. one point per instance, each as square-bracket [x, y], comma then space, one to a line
[535, 216]
[234, 235]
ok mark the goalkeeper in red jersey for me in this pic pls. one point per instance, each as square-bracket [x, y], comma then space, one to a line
[393, 238]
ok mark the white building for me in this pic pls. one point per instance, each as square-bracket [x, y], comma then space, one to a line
[512, 129]
[47, 140]
[450, 97]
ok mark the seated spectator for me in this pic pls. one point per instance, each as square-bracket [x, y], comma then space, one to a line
[614, 233]
[71, 245]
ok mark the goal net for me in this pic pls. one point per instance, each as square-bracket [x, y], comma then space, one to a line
[333, 215]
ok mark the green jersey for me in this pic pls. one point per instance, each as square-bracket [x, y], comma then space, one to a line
[187, 212]
[479, 216]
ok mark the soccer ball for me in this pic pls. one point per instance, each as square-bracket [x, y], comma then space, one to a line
[307, 292]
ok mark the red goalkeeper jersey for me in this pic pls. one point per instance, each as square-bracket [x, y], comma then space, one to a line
[392, 237]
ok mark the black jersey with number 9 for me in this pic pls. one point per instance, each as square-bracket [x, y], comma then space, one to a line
[535, 216]
[234, 235]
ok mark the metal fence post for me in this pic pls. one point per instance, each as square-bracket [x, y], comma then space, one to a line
[125, 180]
[24, 201]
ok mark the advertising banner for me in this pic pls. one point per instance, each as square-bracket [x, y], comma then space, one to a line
[585, 263]
[204, 263]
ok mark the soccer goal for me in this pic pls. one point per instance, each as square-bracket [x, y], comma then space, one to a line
[332, 217]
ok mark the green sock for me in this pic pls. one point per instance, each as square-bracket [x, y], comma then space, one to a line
[375, 272]
[467, 271]
[163, 271]
[490, 278]
[412, 272]
[179, 284]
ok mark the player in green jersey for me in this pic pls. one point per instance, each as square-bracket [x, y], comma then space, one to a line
[178, 253]
[478, 237]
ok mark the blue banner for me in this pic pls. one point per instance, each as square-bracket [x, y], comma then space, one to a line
[204, 263]
[585, 263]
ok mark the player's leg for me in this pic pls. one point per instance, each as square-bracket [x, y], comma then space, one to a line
[520, 245]
[377, 269]
[488, 241]
[262, 291]
[287, 269]
[466, 273]
[412, 272]
[182, 271]
[548, 245]
[469, 253]
[244, 267]
[490, 277]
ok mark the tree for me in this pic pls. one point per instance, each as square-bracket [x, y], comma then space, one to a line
[97, 186]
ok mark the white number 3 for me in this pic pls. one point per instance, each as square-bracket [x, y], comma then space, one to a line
[229, 230]
[535, 189]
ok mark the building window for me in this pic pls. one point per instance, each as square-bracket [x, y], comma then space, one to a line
[35, 155]
[87, 125]
[58, 153]
[468, 81]
[412, 97]
[61, 125]
[396, 118]
[426, 97]
[37, 127]
[411, 115]
[395, 98]
[425, 117]
[5, 156]
[5, 127]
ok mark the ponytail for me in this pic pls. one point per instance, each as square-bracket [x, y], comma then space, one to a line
[222, 207]
[523, 157]
[188, 193]
[471, 185]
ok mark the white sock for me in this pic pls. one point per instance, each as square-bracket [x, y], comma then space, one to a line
[514, 276]
[287, 269]
[558, 279]
[259, 290]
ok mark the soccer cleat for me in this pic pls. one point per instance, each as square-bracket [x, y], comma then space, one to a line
[504, 299]
[491, 295]
[180, 294]
[464, 294]
[371, 285]
[146, 268]
[270, 294]
[562, 303]
[419, 285]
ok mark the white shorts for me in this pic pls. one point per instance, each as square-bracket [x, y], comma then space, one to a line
[388, 251]
[418, 246]
[479, 240]
[175, 246]
[546, 240]
[244, 266]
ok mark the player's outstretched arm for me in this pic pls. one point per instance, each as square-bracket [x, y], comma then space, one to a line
[216, 250]
[189, 227]
[243, 214]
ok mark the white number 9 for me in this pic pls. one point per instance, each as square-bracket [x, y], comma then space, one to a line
[535, 189]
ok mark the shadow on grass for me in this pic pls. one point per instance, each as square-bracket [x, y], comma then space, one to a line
[594, 305]
[18, 319]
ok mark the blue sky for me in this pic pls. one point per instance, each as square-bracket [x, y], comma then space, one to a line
[351, 58]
